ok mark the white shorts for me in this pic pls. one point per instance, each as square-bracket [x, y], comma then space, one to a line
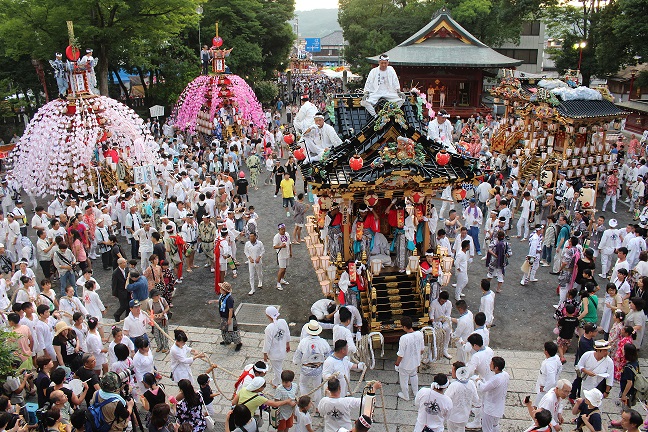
[496, 273]
[223, 267]
[299, 225]
[283, 263]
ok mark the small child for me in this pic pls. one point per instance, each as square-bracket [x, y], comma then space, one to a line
[206, 392]
[302, 416]
[572, 298]
[566, 328]
[287, 390]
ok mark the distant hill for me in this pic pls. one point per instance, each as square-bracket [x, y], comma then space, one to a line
[317, 22]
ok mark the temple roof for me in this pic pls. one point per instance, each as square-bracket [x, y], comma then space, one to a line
[579, 109]
[444, 42]
[385, 167]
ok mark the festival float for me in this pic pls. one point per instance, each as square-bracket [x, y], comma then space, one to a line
[219, 103]
[378, 183]
[556, 126]
[81, 141]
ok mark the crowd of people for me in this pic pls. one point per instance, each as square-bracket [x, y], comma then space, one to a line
[193, 218]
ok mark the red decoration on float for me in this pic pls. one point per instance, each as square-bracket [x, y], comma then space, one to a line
[288, 139]
[217, 41]
[418, 197]
[300, 154]
[72, 53]
[443, 157]
[356, 162]
[104, 137]
[71, 109]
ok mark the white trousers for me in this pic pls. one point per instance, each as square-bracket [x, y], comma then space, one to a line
[144, 261]
[308, 383]
[461, 353]
[456, 427]
[532, 271]
[257, 269]
[607, 199]
[523, 223]
[277, 368]
[462, 281]
[490, 423]
[606, 262]
[406, 378]
[446, 206]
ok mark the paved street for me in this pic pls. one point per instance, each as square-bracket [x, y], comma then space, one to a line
[523, 367]
[523, 315]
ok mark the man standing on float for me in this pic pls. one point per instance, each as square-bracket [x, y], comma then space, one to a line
[382, 82]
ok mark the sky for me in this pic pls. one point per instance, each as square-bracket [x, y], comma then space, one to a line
[305, 5]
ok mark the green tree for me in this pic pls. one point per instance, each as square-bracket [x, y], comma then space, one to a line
[257, 30]
[113, 27]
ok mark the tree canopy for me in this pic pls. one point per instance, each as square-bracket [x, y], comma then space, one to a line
[145, 37]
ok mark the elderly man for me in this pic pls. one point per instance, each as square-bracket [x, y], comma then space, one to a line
[382, 83]
[305, 116]
[553, 402]
[440, 129]
[318, 138]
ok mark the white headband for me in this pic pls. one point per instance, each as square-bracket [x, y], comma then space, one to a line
[383, 57]
[438, 386]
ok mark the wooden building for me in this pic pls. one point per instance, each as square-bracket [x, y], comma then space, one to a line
[383, 158]
[447, 63]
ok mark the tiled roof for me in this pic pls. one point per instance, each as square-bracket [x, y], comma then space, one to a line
[444, 42]
[333, 39]
[367, 142]
[579, 109]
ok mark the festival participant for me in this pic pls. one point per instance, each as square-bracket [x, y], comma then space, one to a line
[319, 137]
[228, 325]
[396, 218]
[611, 186]
[533, 256]
[410, 349]
[434, 407]
[497, 259]
[473, 218]
[461, 266]
[382, 83]
[364, 228]
[610, 242]
[309, 356]
[254, 251]
[480, 365]
[283, 247]
[463, 394]
[440, 310]
[493, 392]
[182, 357]
[440, 130]
[304, 117]
[338, 364]
[333, 227]
[338, 411]
[465, 326]
[276, 343]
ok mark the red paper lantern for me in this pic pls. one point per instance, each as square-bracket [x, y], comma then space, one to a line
[71, 109]
[356, 162]
[288, 139]
[217, 41]
[72, 53]
[300, 154]
[443, 157]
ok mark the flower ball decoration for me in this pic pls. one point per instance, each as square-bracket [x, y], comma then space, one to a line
[60, 147]
[205, 95]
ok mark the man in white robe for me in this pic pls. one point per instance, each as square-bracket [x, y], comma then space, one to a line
[440, 130]
[319, 137]
[305, 116]
[382, 82]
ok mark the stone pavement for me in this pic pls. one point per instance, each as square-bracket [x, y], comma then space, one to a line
[523, 367]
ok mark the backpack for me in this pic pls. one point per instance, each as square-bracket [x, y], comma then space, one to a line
[95, 421]
[640, 385]
[201, 211]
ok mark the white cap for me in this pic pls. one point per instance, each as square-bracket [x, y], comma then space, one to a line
[256, 384]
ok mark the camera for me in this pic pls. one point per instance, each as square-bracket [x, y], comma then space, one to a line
[124, 375]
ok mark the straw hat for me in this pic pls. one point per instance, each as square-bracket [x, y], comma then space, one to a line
[60, 326]
[314, 328]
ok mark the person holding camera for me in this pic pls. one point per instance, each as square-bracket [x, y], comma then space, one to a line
[19, 385]
[118, 410]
